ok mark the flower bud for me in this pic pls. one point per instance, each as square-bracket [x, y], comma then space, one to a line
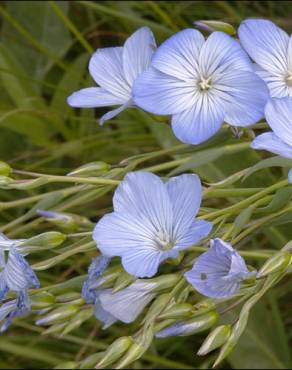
[215, 339]
[91, 169]
[279, 261]
[177, 311]
[191, 326]
[49, 239]
[67, 221]
[114, 352]
[78, 320]
[5, 182]
[123, 280]
[58, 315]
[54, 329]
[42, 300]
[90, 361]
[165, 282]
[67, 365]
[68, 297]
[211, 26]
[5, 169]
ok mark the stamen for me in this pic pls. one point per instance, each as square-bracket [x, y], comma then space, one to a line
[205, 84]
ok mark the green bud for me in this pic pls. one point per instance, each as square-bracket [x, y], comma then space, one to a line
[114, 352]
[78, 320]
[279, 261]
[212, 26]
[191, 326]
[215, 339]
[54, 329]
[66, 221]
[5, 169]
[157, 307]
[5, 182]
[42, 300]
[29, 184]
[123, 280]
[67, 297]
[177, 311]
[91, 361]
[91, 169]
[49, 239]
[165, 282]
[59, 314]
[204, 306]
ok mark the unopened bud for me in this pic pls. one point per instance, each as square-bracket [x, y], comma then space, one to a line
[115, 351]
[57, 315]
[90, 361]
[191, 326]
[177, 311]
[279, 261]
[91, 169]
[78, 320]
[165, 282]
[211, 26]
[67, 365]
[5, 169]
[42, 300]
[49, 239]
[215, 339]
[123, 280]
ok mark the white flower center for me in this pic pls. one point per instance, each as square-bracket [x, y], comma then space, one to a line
[164, 241]
[205, 84]
[288, 79]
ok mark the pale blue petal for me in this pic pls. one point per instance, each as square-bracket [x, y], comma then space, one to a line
[144, 196]
[142, 262]
[198, 230]
[290, 176]
[222, 53]
[2, 259]
[289, 54]
[113, 113]
[245, 94]
[106, 67]
[93, 97]
[128, 303]
[275, 82]
[137, 53]
[272, 143]
[159, 93]
[185, 193]
[201, 122]
[279, 117]
[178, 56]
[266, 44]
[3, 286]
[18, 274]
[105, 317]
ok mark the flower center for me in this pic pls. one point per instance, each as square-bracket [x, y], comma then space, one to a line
[205, 84]
[288, 79]
[164, 242]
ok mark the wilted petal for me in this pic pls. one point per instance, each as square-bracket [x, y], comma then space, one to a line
[93, 97]
[128, 303]
[137, 53]
[272, 143]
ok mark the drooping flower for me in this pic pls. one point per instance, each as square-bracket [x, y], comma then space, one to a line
[279, 117]
[271, 48]
[218, 272]
[152, 221]
[10, 310]
[15, 273]
[201, 83]
[115, 69]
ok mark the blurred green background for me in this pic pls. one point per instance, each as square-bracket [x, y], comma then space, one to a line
[44, 51]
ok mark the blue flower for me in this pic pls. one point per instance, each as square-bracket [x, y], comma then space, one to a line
[218, 272]
[10, 310]
[278, 115]
[152, 221]
[114, 70]
[270, 47]
[201, 83]
[15, 274]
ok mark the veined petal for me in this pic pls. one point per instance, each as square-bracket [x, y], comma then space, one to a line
[144, 196]
[128, 303]
[106, 67]
[272, 143]
[279, 117]
[102, 315]
[159, 93]
[137, 53]
[200, 122]
[245, 96]
[185, 193]
[93, 97]
[266, 44]
[3, 286]
[142, 261]
[113, 113]
[221, 53]
[290, 176]
[178, 56]
[198, 230]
